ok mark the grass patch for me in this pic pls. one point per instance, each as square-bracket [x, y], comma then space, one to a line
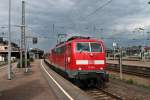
[31, 59]
[23, 63]
[144, 86]
[128, 81]
[148, 87]
[112, 76]
[131, 81]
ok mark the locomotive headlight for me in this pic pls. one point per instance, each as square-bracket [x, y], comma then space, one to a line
[79, 68]
[101, 68]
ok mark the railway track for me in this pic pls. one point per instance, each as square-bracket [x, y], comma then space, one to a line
[97, 93]
[100, 94]
[129, 69]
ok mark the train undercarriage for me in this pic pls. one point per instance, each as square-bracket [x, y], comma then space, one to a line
[90, 79]
[84, 78]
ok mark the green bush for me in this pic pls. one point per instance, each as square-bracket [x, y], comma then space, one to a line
[23, 63]
[130, 81]
[31, 59]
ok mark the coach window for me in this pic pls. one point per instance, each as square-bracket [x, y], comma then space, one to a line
[95, 47]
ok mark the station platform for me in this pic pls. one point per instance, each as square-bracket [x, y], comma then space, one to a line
[25, 86]
[132, 63]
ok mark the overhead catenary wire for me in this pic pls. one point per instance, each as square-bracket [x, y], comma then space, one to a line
[71, 12]
[96, 10]
[99, 8]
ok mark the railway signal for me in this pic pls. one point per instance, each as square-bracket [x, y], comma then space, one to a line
[35, 40]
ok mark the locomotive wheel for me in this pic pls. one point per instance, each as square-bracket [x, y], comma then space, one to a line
[79, 83]
[100, 83]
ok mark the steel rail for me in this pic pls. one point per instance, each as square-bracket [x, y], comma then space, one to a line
[101, 94]
[130, 69]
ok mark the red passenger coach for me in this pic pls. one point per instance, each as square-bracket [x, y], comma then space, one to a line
[81, 59]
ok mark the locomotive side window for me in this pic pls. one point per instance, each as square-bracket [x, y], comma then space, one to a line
[62, 49]
[95, 47]
[82, 47]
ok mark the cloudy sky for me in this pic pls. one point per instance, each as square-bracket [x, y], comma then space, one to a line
[111, 20]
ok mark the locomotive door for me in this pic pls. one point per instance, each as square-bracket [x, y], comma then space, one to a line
[67, 56]
[65, 60]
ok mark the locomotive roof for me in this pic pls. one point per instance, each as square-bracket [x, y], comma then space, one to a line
[73, 38]
[78, 37]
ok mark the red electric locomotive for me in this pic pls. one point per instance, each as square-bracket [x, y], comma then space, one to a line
[81, 59]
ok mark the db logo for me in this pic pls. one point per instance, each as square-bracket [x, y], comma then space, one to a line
[91, 67]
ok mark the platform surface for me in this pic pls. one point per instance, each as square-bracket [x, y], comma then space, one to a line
[25, 86]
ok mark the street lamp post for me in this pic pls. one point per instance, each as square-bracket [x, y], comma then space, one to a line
[9, 42]
[23, 35]
[143, 47]
[120, 61]
[114, 46]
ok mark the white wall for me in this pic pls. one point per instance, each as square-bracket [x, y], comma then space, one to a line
[1, 58]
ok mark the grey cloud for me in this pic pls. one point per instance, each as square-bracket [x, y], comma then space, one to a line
[116, 20]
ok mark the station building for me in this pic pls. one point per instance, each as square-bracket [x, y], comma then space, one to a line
[4, 51]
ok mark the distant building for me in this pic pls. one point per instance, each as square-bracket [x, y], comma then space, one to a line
[147, 49]
[36, 53]
[4, 51]
[133, 50]
[130, 51]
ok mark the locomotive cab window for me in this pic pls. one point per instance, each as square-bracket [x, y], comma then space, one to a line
[82, 47]
[95, 47]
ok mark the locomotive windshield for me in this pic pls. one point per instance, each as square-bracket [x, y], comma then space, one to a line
[83, 47]
[88, 46]
[95, 47]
